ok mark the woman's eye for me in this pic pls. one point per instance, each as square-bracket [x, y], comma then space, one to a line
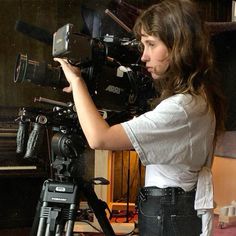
[151, 44]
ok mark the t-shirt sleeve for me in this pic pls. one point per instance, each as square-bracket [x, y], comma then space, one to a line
[160, 136]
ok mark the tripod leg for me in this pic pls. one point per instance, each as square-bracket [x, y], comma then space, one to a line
[47, 232]
[42, 224]
[35, 225]
[70, 223]
[60, 229]
[98, 209]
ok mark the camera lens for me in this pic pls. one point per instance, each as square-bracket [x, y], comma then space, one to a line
[39, 73]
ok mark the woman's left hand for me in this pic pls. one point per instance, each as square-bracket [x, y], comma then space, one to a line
[71, 72]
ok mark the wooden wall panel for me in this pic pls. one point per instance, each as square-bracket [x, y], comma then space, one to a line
[224, 175]
[126, 164]
[216, 10]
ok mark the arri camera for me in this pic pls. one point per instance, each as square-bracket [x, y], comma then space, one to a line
[109, 65]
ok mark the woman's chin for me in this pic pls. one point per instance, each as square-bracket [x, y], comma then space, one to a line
[155, 76]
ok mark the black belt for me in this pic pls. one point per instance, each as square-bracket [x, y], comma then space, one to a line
[160, 192]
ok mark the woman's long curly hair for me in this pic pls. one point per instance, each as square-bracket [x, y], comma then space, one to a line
[191, 69]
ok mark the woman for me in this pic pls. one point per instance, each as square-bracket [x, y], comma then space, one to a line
[175, 140]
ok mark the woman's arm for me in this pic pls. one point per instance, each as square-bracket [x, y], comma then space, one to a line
[97, 131]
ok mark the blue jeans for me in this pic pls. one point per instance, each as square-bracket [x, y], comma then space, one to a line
[172, 215]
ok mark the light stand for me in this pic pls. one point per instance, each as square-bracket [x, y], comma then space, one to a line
[128, 191]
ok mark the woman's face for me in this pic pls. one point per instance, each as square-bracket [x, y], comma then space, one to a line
[155, 54]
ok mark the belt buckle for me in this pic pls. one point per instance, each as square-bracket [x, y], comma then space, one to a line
[142, 195]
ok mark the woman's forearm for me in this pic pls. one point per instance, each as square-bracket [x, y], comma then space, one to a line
[91, 121]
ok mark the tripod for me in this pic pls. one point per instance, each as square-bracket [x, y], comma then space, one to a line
[59, 200]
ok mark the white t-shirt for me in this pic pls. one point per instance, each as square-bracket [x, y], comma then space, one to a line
[173, 141]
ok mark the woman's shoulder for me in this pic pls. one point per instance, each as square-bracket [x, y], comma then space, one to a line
[186, 100]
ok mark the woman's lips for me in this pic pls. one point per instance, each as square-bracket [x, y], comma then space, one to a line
[150, 69]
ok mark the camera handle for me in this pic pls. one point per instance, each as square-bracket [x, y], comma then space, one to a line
[35, 141]
[22, 137]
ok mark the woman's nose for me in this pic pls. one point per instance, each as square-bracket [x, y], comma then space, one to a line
[144, 56]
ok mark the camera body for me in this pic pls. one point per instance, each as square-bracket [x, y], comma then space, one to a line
[110, 67]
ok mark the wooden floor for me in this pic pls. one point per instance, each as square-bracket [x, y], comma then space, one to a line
[227, 230]
[26, 232]
[15, 232]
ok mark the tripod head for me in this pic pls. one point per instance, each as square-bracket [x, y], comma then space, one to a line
[68, 148]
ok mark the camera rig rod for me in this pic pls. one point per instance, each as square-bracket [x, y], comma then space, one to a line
[50, 101]
[121, 23]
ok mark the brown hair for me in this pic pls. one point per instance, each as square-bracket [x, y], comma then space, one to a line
[178, 24]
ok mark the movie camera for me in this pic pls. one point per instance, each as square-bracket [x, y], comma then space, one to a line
[109, 65]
